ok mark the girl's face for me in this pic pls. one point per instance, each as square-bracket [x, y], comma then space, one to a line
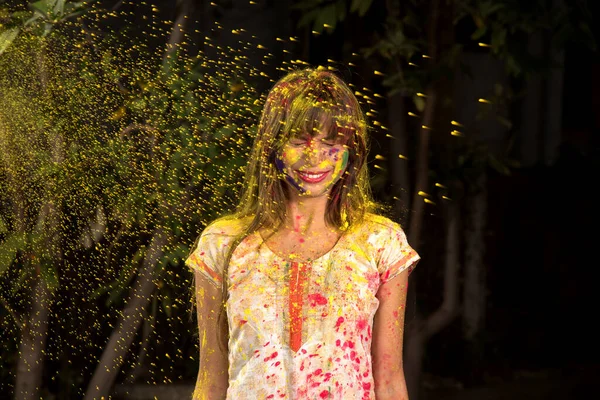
[312, 165]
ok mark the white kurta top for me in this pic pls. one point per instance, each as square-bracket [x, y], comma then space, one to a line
[302, 330]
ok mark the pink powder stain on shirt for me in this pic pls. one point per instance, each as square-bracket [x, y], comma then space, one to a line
[338, 323]
[348, 345]
[317, 298]
[361, 324]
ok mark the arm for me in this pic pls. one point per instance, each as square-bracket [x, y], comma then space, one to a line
[388, 332]
[213, 375]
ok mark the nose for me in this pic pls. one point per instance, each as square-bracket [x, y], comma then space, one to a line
[314, 153]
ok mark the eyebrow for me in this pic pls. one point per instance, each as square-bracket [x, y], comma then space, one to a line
[308, 137]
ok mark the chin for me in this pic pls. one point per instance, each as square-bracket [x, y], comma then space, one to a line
[309, 192]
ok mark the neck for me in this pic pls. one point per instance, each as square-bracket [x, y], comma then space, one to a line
[306, 214]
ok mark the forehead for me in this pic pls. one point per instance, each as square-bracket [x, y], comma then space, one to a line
[316, 134]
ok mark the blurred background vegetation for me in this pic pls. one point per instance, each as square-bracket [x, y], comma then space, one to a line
[125, 126]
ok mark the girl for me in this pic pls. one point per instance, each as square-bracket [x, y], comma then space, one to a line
[301, 292]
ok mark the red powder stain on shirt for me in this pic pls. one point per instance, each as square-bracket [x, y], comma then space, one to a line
[361, 324]
[385, 276]
[366, 385]
[349, 268]
[242, 321]
[324, 394]
[339, 322]
[272, 356]
[317, 298]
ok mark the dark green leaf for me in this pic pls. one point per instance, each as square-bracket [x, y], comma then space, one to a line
[419, 103]
[327, 16]
[479, 33]
[8, 250]
[364, 7]
[44, 7]
[7, 37]
[505, 122]
[497, 165]
[49, 274]
[59, 7]
[340, 7]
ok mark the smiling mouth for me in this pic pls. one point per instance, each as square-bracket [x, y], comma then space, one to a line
[312, 177]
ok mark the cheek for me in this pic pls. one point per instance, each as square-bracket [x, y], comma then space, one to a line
[291, 156]
[340, 161]
[334, 155]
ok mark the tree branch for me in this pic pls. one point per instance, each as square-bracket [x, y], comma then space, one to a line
[18, 320]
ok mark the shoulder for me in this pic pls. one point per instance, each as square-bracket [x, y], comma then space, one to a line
[375, 225]
[226, 227]
[380, 221]
[375, 230]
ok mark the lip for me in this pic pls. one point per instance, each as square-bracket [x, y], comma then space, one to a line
[312, 180]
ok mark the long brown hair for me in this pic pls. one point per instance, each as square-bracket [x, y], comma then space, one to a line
[309, 101]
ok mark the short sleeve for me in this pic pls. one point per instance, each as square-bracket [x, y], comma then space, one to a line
[396, 253]
[205, 257]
